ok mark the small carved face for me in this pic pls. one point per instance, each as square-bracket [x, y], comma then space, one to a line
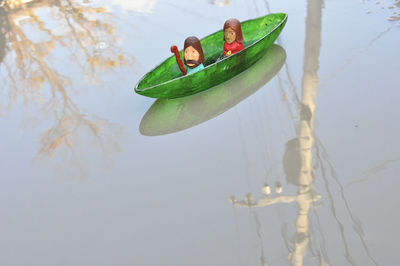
[191, 56]
[230, 35]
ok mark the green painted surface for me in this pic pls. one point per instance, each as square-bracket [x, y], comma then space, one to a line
[166, 81]
[170, 115]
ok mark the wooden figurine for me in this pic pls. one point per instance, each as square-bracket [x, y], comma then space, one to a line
[193, 55]
[233, 37]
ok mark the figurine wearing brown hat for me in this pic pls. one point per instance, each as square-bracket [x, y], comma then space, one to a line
[233, 37]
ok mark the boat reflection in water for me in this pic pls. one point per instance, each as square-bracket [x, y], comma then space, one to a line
[168, 116]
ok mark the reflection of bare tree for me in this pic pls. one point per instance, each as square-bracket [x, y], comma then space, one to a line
[32, 72]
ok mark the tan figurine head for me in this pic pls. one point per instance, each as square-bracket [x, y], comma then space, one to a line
[193, 53]
[233, 31]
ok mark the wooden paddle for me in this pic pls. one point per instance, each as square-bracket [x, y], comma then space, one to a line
[174, 50]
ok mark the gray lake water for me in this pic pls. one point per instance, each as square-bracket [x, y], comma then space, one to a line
[93, 174]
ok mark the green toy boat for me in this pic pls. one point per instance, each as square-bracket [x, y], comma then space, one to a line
[167, 82]
[167, 116]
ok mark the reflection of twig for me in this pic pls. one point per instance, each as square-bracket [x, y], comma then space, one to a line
[354, 57]
[333, 210]
[258, 230]
[371, 173]
[356, 223]
[12, 93]
[220, 3]
[285, 236]
[323, 245]
[237, 235]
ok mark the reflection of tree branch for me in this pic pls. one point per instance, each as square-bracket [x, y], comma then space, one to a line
[77, 18]
[35, 70]
[356, 223]
[348, 256]
[16, 46]
[56, 136]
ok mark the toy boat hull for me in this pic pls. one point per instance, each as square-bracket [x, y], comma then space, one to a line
[167, 82]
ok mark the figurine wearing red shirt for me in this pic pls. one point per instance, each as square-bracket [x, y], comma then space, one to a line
[233, 37]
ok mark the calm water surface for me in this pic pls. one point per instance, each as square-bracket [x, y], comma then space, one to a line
[293, 162]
